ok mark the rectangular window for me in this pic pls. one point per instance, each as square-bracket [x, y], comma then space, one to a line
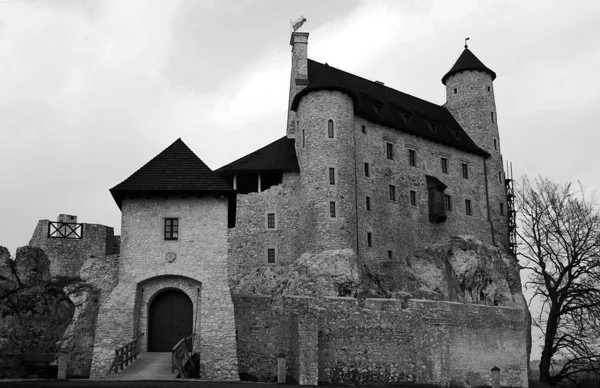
[447, 202]
[271, 255]
[444, 165]
[389, 150]
[392, 193]
[368, 203]
[489, 89]
[331, 176]
[171, 229]
[369, 239]
[412, 157]
[413, 198]
[332, 209]
[493, 117]
[465, 170]
[496, 144]
[364, 129]
[500, 176]
[303, 138]
[468, 207]
[270, 220]
[390, 255]
[366, 169]
[330, 129]
[455, 90]
[379, 109]
[501, 209]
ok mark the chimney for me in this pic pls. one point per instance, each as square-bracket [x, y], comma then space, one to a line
[299, 76]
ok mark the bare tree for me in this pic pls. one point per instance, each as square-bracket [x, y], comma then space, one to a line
[559, 239]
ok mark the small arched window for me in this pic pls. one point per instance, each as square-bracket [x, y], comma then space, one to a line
[330, 129]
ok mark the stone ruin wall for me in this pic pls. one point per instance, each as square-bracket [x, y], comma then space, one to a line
[68, 254]
[338, 340]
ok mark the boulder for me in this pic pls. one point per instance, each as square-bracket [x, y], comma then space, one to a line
[32, 267]
[8, 280]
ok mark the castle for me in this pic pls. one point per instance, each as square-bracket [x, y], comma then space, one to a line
[364, 171]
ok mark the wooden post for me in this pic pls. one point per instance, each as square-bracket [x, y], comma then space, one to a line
[281, 372]
[495, 377]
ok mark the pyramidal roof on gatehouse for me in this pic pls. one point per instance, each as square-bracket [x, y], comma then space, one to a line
[176, 171]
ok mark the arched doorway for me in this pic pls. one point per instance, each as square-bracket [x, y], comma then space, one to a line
[170, 318]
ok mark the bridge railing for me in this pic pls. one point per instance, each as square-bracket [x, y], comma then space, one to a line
[126, 354]
[180, 357]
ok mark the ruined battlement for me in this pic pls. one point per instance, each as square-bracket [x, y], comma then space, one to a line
[67, 242]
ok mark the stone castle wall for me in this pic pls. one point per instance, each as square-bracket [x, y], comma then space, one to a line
[341, 341]
[68, 254]
[200, 261]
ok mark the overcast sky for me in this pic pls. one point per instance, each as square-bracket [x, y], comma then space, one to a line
[92, 90]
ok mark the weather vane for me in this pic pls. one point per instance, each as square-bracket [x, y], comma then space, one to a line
[466, 42]
[296, 24]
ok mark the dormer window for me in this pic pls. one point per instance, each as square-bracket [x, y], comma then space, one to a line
[379, 109]
[457, 134]
[407, 118]
[433, 127]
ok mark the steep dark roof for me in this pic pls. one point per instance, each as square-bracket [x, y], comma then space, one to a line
[176, 170]
[277, 156]
[398, 110]
[468, 61]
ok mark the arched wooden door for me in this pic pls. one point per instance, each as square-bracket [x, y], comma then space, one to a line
[170, 319]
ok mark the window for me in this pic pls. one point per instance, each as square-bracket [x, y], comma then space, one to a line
[489, 89]
[331, 175]
[364, 129]
[390, 255]
[444, 165]
[171, 229]
[436, 200]
[366, 169]
[392, 193]
[493, 118]
[447, 202]
[407, 118]
[496, 144]
[330, 129]
[412, 157]
[368, 203]
[389, 150]
[369, 239]
[465, 170]
[271, 221]
[501, 209]
[500, 176]
[468, 207]
[413, 198]
[455, 91]
[271, 255]
[332, 209]
[303, 138]
[433, 127]
[379, 109]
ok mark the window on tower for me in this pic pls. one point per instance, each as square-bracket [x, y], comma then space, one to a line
[392, 189]
[412, 157]
[368, 203]
[331, 175]
[493, 117]
[465, 171]
[366, 165]
[332, 209]
[369, 239]
[489, 88]
[455, 90]
[330, 129]
[468, 207]
[444, 165]
[496, 144]
[389, 150]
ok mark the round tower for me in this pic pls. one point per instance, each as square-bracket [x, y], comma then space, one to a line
[470, 99]
[325, 149]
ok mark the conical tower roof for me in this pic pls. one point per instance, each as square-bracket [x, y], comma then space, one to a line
[468, 61]
[175, 171]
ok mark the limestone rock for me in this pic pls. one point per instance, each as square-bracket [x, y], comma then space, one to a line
[329, 273]
[78, 338]
[32, 267]
[8, 280]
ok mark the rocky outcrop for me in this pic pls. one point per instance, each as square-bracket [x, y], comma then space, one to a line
[460, 269]
[98, 276]
[35, 313]
[8, 279]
